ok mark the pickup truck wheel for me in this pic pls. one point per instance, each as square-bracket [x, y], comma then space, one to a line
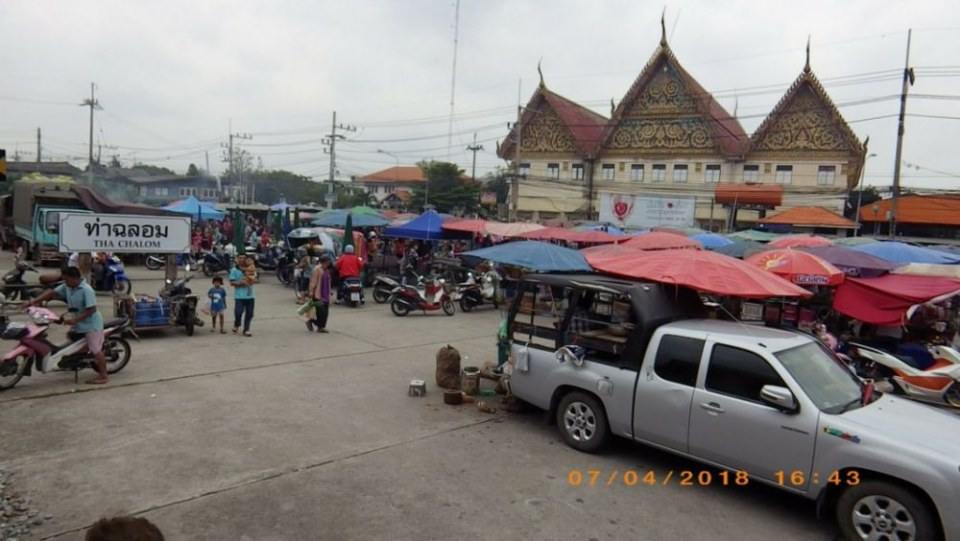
[582, 422]
[882, 510]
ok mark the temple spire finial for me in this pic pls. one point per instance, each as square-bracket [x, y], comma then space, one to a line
[806, 65]
[540, 71]
[663, 27]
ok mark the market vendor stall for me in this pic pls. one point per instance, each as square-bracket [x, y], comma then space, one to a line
[801, 268]
[196, 209]
[659, 240]
[427, 226]
[531, 255]
[797, 241]
[852, 262]
[889, 300]
[902, 253]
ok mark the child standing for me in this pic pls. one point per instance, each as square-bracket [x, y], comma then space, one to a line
[218, 303]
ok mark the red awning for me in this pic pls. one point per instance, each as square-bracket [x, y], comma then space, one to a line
[767, 195]
[888, 300]
[659, 240]
[466, 226]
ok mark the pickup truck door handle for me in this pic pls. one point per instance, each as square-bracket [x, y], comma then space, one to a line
[712, 407]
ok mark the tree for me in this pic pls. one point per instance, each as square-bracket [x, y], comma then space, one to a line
[192, 171]
[273, 186]
[152, 169]
[450, 191]
[870, 196]
[498, 181]
[115, 162]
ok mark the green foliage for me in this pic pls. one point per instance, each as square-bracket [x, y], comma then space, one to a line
[498, 181]
[152, 169]
[274, 186]
[348, 197]
[450, 191]
[192, 171]
[870, 196]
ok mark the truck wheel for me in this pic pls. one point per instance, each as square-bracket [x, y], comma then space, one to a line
[582, 422]
[884, 510]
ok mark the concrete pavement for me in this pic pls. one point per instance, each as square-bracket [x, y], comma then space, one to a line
[289, 435]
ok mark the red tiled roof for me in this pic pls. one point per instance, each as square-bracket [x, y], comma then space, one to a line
[748, 194]
[586, 127]
[402, 173]
[726, 130]
[916, 209]
[809, 217]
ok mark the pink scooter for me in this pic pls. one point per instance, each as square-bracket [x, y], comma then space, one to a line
[35, 350]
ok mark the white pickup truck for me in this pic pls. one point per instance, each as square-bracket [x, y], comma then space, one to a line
[609, 357]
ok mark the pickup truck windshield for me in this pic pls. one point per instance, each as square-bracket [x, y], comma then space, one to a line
[825, 380]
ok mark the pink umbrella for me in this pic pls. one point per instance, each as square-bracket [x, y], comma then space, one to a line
[698, 269]
[659, 240]
[796, 241]
[797, 266]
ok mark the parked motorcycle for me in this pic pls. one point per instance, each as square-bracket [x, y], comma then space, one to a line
[270, 258]
[157, 262]
[384, 284]
[214, 263]
[938, 384]
[15, 287]
[351, 292]
[183, 304]
[285, 267]
[35, 351]
[472, 294]
[434, 296]
[114, 278]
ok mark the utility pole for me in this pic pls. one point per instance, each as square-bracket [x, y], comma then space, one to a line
[474, 148]
[908, 79]
[453, 77]
[92, 103]
[331, 140]
[515, 180]
[39, 151]
[863, 170]
[231, 161]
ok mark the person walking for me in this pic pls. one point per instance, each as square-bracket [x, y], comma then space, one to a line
[218, 303]
[243, 295]
[319, 291]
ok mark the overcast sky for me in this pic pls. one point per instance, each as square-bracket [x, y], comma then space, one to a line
[172, 75]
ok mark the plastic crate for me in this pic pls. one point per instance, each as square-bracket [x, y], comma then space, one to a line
[149, 313]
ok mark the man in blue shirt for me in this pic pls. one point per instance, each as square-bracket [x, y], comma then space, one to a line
[242, 277]
[82, 314]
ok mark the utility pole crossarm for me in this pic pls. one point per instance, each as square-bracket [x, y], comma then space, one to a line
[908, 80]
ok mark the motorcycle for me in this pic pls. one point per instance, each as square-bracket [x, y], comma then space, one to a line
[35, 351]
[937, 384]
[183, 304]
[15, 287]
[114, 278]
[351, 292]
[471, 294]
[434, 296]
[270, 258]
[285, 267]
[214, 263]
[384, 284]
[157, 262]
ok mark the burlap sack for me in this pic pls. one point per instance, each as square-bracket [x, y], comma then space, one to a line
[448, 368]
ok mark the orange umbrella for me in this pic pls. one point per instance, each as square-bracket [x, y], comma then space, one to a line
[797, 266]
[698, 269]
[659, 240]
[796, 241]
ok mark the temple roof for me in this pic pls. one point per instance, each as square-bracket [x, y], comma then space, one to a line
[729, 136]
[585, 126]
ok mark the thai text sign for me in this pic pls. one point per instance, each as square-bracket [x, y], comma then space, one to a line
[647, 211]
[81, 232]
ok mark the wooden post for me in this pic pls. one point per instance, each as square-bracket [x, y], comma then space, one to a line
[85, 264]
[170, 270]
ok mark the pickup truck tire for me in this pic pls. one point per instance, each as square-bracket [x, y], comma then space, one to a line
[582, 422]
[884, 510]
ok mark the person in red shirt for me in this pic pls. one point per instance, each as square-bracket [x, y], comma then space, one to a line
[348, 266]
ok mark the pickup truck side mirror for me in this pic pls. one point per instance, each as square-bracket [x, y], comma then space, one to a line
[780, 398]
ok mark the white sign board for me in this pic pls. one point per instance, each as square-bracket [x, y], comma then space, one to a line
[130, 233]
[647, 211]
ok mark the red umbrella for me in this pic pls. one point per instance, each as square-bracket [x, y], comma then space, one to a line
[547, 233]
[699, 269]
[659, 240]
[796, 241]
[466, 226]
[799, 267]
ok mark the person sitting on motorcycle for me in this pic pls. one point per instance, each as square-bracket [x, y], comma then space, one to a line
[348, 266]
[86, 319]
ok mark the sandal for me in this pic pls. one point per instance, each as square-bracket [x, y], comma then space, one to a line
[247, 334]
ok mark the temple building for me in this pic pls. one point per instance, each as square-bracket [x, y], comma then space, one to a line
[671, 155]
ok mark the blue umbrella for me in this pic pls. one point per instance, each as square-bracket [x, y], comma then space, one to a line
[534, 255]
[853, 262]
[899, 252]
[427, 226]
[739, 248]
[338, 219]
[712, 240]
[196, 209]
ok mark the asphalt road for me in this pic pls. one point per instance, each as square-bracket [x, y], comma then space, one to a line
[290, 435]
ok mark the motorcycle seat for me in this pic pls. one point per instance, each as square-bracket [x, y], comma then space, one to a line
[116, 322]
[49, 279]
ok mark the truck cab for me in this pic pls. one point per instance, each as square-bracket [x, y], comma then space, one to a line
[46, 232]
[608, 357]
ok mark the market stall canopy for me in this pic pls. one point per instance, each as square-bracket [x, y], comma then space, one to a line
[280, 207]
[512, 229]
[890, 300]
[711, 241]
[606, 228]
[195, 209]
[852, 262]
[427, 226]
[797, 241]
[685, 231]
[532, 255]
[902, 253]
[930, 269]
[740, 248]
[402, 218]
[754, 235]
[854, 241]
[699, 269]
[801, 268]
[338, 218]
[658, 240]
[366, 210]
[571, 235]
[475, 226]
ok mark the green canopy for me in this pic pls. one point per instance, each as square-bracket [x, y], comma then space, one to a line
[366, 210]
[754, 235]
[854, 241]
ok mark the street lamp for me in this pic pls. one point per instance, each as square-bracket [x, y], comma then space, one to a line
[860, 189]
[396, 170]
